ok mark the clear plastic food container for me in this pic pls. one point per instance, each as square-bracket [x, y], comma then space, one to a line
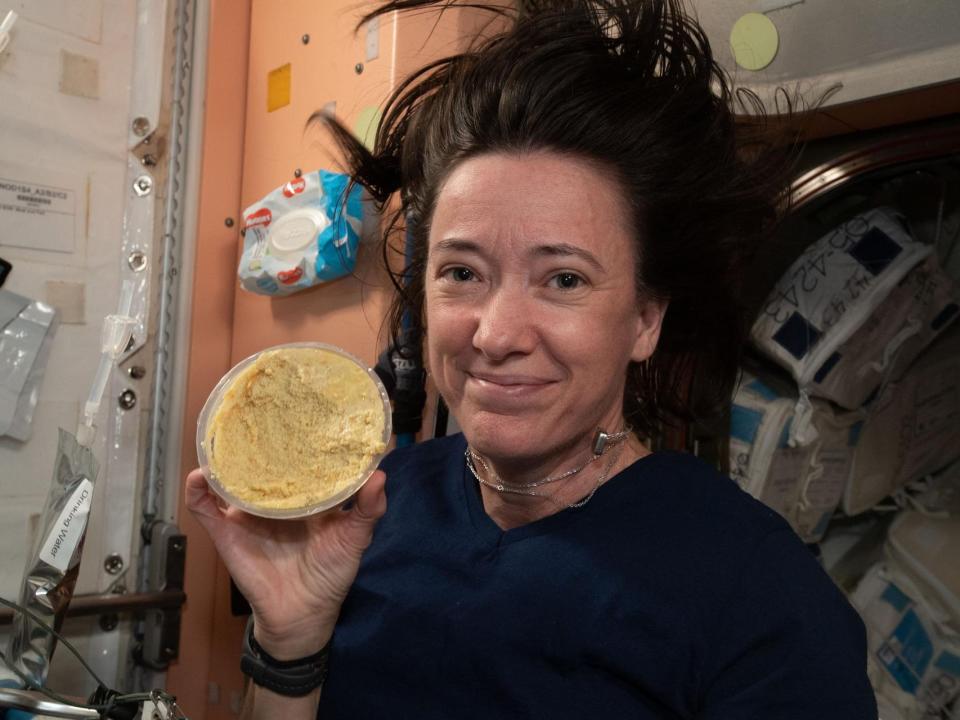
[209, 414]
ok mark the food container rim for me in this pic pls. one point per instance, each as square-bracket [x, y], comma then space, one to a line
[213, 402]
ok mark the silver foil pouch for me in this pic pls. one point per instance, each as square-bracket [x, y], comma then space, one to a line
[53, 565]
[26, 334]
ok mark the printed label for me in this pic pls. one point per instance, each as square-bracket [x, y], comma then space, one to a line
[67, 531]
[826, 491]
[37, 216]
[288, 277]
[294, 187]
[263, 216]
[783, 479]
[740, 463]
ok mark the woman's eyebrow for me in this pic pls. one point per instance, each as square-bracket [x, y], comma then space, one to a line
[458, 245]
[565, 249]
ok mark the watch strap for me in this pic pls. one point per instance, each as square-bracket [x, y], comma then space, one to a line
[293, 678]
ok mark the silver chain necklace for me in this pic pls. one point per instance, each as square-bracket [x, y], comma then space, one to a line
[602, 442]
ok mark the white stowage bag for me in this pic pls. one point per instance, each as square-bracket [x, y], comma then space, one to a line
[913, 656]
[926, 549]
[915, 312]
[802, 481]
[856, 308]
[912, 429]
[940, 493]
[761, 459]
[825, 479]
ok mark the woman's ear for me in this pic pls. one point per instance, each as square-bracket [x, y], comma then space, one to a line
[649, 322]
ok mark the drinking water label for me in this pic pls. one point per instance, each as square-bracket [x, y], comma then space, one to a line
[60, 544]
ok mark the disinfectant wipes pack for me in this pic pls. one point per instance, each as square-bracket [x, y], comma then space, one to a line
[303, 233]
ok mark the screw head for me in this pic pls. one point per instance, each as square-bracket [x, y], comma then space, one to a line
[358, 68]
[148, 160]
[305, 39]
[137, 372]
[228, 222]
[113, 563]
[109, 622]
[127, 399]
[143, 185]
[137, 260]
[141, 126]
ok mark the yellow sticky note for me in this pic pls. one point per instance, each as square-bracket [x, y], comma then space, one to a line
[367, 124]
[278, 88]
[754, 41]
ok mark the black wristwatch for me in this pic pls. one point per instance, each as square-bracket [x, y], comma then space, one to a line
[293, 678]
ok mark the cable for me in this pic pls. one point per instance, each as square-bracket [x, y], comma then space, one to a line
[103, 700]
[42, 623]
[27, 682]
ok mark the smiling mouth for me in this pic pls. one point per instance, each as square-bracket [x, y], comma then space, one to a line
[507, 382]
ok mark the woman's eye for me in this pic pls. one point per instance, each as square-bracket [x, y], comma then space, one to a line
[567, 281]
[461, 274]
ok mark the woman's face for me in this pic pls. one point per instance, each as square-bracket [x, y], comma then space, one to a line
[531, 308]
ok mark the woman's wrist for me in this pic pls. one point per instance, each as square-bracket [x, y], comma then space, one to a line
[292, 643]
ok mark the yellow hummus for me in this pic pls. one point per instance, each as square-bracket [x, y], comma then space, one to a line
[294, 428]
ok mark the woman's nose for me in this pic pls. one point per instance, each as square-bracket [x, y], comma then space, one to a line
[506, 325]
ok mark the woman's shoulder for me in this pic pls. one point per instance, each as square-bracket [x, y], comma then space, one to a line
[693, 499]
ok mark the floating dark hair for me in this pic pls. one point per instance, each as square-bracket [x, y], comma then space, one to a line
[632, 86]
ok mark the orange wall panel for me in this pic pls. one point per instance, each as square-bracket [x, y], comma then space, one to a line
[347, 312]
[248, 151]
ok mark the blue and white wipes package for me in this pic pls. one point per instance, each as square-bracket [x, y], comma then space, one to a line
[303, 233]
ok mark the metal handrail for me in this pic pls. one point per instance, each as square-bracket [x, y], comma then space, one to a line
[96, 604]
[911, 147]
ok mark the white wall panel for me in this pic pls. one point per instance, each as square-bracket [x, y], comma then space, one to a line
[869, 47]
[66, 104]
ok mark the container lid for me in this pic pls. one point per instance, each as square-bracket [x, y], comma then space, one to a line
[294, 231]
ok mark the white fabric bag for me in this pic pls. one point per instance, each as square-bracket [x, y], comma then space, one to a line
[825, 477]
[927, 550]
[810, 321]
[761, 459]
[911, 430]
[915, 312]
[939, 493]
[804, 482]
[913, 658]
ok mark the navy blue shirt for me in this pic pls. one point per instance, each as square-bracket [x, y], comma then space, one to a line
[671, 594]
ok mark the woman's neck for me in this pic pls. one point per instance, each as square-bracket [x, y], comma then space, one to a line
[510, 510]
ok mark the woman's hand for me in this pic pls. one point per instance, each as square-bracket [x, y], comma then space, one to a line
[294, 573]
